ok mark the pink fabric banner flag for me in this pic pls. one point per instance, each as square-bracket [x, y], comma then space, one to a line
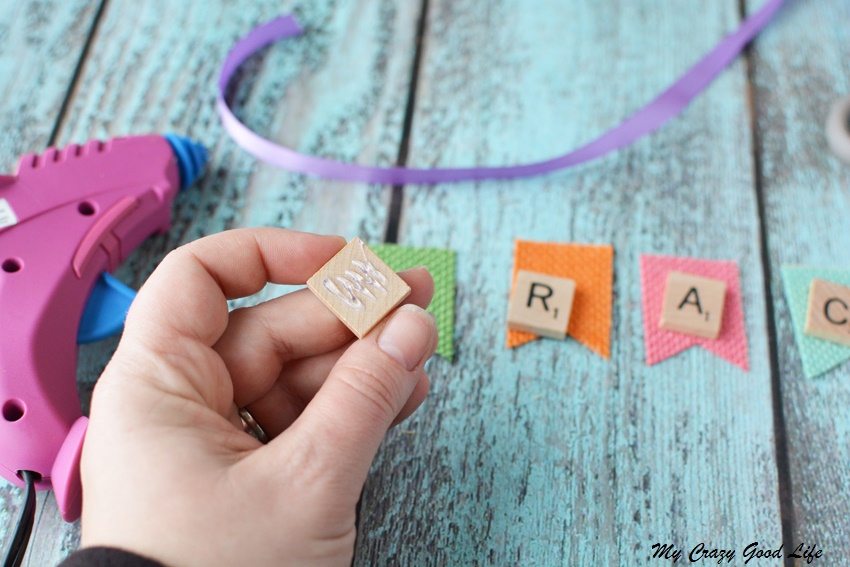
[660, 344]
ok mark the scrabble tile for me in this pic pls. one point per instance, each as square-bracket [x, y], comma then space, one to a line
[693, 305]
[828, 312]
[541, 304]
[358, 287]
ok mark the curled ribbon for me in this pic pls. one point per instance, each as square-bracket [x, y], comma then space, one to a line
[646, 120]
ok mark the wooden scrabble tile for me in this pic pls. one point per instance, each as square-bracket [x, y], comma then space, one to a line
[541, 304]
[358, 287]
[693, 305]
[828, 314]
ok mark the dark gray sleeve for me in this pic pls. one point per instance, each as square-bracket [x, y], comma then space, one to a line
[107, 557]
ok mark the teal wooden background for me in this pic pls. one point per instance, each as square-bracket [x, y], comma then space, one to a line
[544, 455]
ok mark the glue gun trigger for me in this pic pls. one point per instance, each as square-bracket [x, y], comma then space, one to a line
[105, 310]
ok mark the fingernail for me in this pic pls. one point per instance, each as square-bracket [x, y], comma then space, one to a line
[415, 269]
[408, 336]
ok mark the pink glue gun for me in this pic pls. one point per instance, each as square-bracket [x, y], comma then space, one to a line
[67, 218]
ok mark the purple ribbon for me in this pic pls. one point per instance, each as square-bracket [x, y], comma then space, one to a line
[667, 105]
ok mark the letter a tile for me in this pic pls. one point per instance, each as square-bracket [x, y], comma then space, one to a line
[661, 344]
[358, 287]
[693, 305]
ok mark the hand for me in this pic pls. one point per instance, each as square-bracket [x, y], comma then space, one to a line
[168, 471]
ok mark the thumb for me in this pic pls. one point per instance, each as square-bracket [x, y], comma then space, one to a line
[367, 388]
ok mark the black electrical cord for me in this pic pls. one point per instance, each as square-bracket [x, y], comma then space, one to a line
[25, 523]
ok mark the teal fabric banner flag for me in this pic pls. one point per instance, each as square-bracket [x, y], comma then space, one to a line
[817, 355]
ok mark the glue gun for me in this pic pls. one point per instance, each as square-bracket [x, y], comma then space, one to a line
[68, 217]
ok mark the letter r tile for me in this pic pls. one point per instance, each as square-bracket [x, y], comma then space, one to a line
[358, 287]
[828, 312]
[693, 305]
[541, 304]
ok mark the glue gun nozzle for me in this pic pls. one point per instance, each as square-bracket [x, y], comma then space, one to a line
[191, 158]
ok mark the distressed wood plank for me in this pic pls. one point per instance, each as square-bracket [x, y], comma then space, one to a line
[549, 455]
[800, 66]
[339, 91]
[40, 44]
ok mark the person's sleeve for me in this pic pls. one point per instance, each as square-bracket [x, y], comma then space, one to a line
[107, 557]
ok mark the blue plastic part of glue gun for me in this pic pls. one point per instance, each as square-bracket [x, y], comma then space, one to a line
[191, 158]
[110, 299]
[105, 310]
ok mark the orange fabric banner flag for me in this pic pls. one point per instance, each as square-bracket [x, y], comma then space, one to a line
[591, 267]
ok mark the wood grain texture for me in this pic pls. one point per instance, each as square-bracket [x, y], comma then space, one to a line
[800, 66]
[40, 44]
[152, 66]
[548, 454]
